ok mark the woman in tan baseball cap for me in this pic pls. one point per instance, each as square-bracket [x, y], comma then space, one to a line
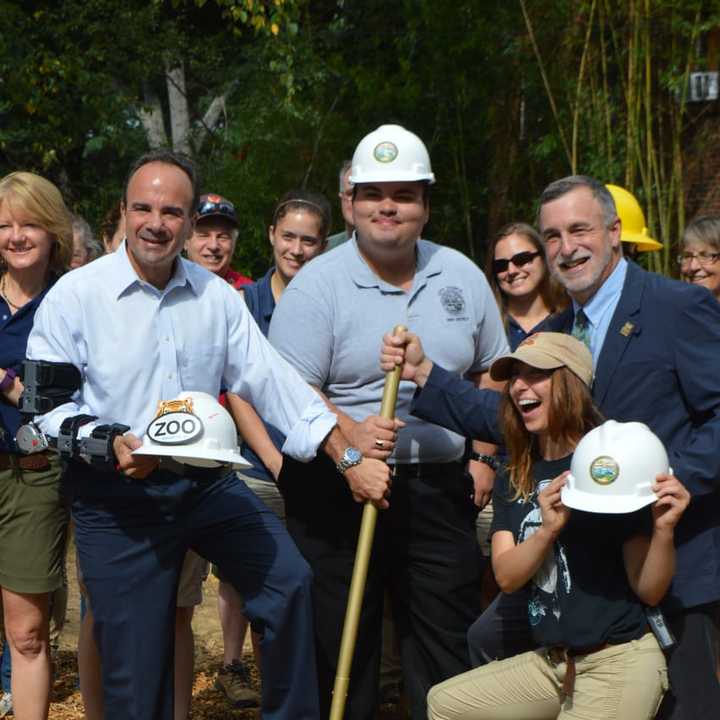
[588, 576]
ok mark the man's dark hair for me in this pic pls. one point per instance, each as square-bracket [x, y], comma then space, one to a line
[169, 157]
[561, 187]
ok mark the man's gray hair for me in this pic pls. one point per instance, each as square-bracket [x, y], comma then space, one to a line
[347, 165]
[561, 187]
[82, 229]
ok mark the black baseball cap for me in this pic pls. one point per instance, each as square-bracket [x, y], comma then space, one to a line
[211, 205]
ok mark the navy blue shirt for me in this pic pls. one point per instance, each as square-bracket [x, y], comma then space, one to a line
[580, 596]
[261, 303]
[515, 334]
[14, 332]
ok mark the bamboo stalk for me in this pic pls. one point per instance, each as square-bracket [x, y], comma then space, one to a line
[546, 83]
[578, 89]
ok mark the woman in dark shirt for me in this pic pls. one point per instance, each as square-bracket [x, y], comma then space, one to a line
[298, 233]
[589, 575]
[35, 247]
[526, 294]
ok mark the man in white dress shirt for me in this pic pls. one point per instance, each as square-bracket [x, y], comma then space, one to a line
[142, 325]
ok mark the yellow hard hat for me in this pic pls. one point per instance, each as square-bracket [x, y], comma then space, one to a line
[633, 220]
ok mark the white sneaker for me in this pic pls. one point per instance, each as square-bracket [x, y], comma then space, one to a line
[6, 707]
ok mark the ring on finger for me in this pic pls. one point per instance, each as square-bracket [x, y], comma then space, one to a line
[380, 443]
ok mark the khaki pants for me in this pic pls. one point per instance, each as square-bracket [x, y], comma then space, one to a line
[621, 682]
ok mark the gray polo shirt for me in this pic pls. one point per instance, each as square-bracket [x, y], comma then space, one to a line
[330, 321]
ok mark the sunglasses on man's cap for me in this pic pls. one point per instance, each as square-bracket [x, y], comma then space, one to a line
[216, 206]
[518, 260]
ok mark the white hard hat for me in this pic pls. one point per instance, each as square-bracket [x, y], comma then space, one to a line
[193, 429]
[391, 154]
[614, 467]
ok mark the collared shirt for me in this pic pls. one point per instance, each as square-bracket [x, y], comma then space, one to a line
[516, 334]
[261, 301]
[331, 318]
[337, 239]
[261, 304]
[601, 307]
[136, 345]
[14, 331]
[236, 279]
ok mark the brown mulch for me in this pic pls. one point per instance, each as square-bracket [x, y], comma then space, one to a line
[207, 704]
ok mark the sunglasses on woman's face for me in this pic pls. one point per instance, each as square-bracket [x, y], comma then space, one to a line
[522, 258]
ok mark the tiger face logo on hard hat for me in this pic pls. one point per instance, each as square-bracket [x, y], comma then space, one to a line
[175, 423]
[385, 152]
[604, 470]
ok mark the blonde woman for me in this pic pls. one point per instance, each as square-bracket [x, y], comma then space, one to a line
[35, 247]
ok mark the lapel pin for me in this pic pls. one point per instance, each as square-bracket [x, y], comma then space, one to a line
[626, 329]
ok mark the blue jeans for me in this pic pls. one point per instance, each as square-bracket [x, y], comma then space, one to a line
[132, 537]
[5, 667]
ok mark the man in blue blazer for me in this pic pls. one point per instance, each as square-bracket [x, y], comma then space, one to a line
[656, 351]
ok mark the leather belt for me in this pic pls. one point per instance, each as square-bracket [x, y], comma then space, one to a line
[418, 470]
[558, 654]
[36, 462]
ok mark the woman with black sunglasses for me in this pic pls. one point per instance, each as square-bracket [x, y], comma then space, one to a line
[527, 296]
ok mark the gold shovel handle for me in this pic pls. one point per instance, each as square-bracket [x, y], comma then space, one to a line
[362, 560]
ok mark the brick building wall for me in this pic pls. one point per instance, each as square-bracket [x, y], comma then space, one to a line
[702, 174]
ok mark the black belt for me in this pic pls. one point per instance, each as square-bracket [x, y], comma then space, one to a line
[418, 470]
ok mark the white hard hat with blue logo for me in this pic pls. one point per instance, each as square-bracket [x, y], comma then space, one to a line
[614, 467]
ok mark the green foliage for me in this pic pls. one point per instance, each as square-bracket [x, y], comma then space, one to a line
[304, 81]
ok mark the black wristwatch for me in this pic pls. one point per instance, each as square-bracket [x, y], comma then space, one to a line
[490, 460]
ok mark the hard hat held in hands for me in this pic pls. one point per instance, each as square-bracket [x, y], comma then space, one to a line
[193, 429]
[391, 154]
[614, 468]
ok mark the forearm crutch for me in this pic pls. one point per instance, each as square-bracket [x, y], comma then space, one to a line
[362, 560]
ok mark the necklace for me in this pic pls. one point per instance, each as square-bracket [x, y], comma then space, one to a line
[3, 294]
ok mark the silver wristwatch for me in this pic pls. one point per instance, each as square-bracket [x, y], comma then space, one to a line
[351, 457]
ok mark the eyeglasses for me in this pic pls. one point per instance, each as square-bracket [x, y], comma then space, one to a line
[519, 260]
[703, 258]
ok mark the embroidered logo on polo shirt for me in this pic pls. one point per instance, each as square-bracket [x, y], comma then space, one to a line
[385, 152]
[452, 300]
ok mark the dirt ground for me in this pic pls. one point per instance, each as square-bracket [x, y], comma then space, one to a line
[208, 703]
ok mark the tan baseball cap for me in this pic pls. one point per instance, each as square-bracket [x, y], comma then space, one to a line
[547, 351]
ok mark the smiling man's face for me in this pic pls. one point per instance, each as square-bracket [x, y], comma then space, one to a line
[157, 219]
[582, 251]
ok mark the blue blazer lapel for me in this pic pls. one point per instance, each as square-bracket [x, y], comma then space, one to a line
[625, 325]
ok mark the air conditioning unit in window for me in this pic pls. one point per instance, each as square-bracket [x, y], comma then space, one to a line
[703, 87]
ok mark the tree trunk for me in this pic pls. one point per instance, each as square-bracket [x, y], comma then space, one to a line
[179, 111]
[151, 117]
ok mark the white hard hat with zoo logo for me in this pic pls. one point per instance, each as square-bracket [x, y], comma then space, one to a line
[193, 429]
[614, 467]
[391, 154]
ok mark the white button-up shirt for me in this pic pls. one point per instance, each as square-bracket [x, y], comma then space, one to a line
[136, 345]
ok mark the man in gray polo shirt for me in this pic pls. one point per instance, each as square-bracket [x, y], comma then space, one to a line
[329, 324]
